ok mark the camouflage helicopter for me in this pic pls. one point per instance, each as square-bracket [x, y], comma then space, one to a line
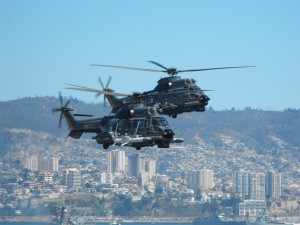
[133, 125]
[172, 95]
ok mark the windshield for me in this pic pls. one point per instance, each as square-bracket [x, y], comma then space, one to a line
[163, 122]
[156, 122]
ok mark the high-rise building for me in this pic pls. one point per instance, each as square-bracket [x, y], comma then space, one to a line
[44, 164]
[116, 162]
[31, 163]
[241, 183]
[133, 165]
[136, 165]
[193, 179]
[203, 179]
[53, 164]
[273, 184]
[257, 186]
[48, 164]
[72, 177]
[150, 167]
[144, 169]
[207, 179]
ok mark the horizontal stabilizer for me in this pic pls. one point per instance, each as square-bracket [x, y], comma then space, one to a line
[87, 115]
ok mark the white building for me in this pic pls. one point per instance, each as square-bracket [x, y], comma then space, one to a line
[257, 186]
[273, 184]
[203, 179]
[31, 163]
[252, 208]
[106, 178]
[35, 163]
[116, 162]
[144, 178]
[150, 167]
[207, 179]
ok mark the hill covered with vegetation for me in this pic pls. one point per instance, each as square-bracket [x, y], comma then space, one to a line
[256, 129]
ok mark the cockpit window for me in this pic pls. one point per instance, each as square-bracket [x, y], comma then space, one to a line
[163, 122]
[156, 122]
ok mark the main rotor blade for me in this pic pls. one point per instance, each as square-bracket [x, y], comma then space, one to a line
[167, 69]
[216, 68]
[159, 65]
[129, 68]
[81, 88]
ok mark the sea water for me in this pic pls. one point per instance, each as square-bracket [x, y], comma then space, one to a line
[136, 223]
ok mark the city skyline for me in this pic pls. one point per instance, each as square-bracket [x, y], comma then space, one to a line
[91, 179]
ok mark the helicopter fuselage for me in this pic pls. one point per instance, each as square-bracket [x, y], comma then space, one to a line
[171, 96]
[137, 126]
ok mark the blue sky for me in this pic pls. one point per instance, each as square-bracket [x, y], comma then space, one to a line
[44, 44]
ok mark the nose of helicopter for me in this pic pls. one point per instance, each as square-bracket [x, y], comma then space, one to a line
[168, 133]
[204, 99]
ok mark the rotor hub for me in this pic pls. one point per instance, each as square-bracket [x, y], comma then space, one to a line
[172, 71]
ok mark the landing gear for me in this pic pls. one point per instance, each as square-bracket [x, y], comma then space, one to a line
[174, 116]
[138, 147]
[105, 146]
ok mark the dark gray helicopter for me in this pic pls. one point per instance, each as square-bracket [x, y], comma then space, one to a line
[172, 95]
[133, 125]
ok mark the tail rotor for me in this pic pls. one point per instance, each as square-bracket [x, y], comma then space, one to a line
[63, 108]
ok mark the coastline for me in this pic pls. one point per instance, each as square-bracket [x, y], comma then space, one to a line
[47, 219]
[94, 219]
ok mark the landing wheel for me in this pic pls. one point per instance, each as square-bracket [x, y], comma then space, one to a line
[138, 147]
[105, 146]
[174, 116]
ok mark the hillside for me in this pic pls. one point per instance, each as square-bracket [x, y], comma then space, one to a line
[256, 128]
[28, 123]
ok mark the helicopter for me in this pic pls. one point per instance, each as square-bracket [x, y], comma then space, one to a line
[133, 125]
[172, 95]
